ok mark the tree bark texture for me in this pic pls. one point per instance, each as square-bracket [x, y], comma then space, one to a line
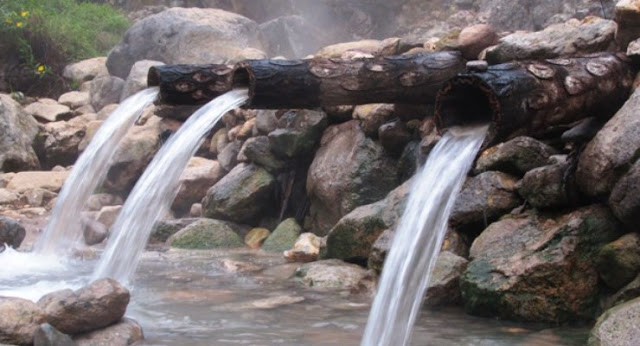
[527, 97]
[190, 84]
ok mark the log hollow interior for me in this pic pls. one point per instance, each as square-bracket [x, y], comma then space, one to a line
[465, 104]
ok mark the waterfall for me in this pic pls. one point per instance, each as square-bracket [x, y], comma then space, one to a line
[63, 230]
[154, 192]
[419, 236]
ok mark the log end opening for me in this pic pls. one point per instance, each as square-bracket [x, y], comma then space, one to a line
[153, 77]
[243, 78]
[466, 100]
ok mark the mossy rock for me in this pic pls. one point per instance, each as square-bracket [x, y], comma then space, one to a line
[207, 234]
[283, 237]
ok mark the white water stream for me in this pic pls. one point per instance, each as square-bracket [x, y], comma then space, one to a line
[419, 236]
[63, 230]
[154, 192]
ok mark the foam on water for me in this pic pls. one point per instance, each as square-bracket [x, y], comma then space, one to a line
[419, 236]
[154, 192]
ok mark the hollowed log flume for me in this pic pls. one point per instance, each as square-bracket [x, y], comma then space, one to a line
[312, 83]
[530, 96]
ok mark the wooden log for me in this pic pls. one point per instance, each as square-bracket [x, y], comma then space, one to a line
[412, 79]
[530, 96]
[190, 84]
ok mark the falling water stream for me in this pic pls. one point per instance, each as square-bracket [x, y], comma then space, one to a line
[156, 189]
[63, 229]
[419, 237]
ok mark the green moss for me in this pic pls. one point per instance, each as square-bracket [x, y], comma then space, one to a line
[283, 237]
[207, 234]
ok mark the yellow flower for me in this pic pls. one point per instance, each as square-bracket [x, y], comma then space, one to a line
[19, 24]
[41, 68]
[8, 21]
[24, 13]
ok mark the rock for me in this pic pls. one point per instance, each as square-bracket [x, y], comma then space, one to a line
[9, 198]
[18, 132]
[347, 171]
[473, 39]
[20, 320]
[96, 201]
[228, 157]
[625, 197]
[628, 292]
[583, 132]
[48, 110]
[183, 35]
[516, 156]
[104, 113]
[46, 335]
[164, 229]
[108, 215]
[372, 116]
[136, 80]
[394, 136]
[94, 232]
[574, 37]
[86, 70]
[484, 198]
[60, 141]
[633, 50]
[259, 304]
[258, 151]
[243, 195]
[90, 130]
[619, 261]
[547, 187]
[443, 288]
[199, 175]
[266, 121]
[105, 90]
[305, 249]
[339, 114]
[627, 14]
[207, 234]
[74, 99]
[290, 36]
[330, 274]
[125, 332]
[196, 210]
[38, 197]
[611, 151]
[618, 326]
[11, 232]
[100, 304]
[232, 266]
[388, 46]
[538, 268]
[298, 133]
[283, 237]
[51, 181]
[256, 237]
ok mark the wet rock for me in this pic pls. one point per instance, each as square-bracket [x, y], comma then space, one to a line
[60, 142]
[619, 261]
[20, 320]
[574, 37]
[283, 237]
[633, 50]
[51, 181]
[618, 326]
[108, 215]
[94, 232]
[538, 268]
[47, 110]
[583, 131]
[46, 335]
[105, 90]
[347, 171]
[473, 39]
[196, 210]
[243, 195]
[256, 237]
[298, 133]
[305, 249]
[339, 114]
[443, 288]
[372, 48]
[266, 121]
[86, 70]
[625, 197]
[546, 186]
[484, 198]
[11, 232]
[99, 200]
[372, 116]
[164, 229]
[182, 35]
[126, 332]
[74, 99]
[258, 151]
[394, 136]
[199, 175]
[628, 292]
[207, 234]
[627, 14]
[228, 156]
[260, 304]
[18, 132]
[607, 157]
[409, 161]
[100, 304]
[330, 274]
[233, 266]
[516, 156]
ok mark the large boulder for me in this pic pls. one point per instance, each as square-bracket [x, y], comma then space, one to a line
[347, 171]
[243, 195]
[609, 154]
[164, 229]
[628, 19]
[574, 37]
[184, 35]
[619, 261]
[443, 288]
[20, 320]
[124, 333]
[137, 77]
[18, 132]
[207, 234]
[618, 326]
[516, 156]
[86, 70]
[46, 335]
[105, 90]
[199, 175]
[625, 197]
[283, 237]
[100, 304]
[539, 268]
[11, 232]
